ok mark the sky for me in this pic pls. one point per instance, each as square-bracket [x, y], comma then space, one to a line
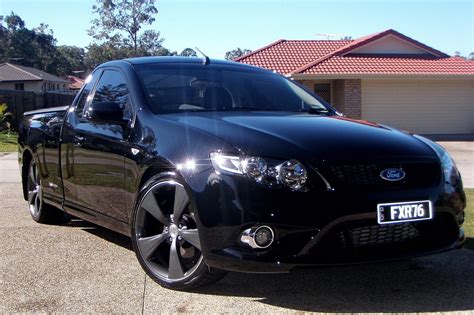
[217, 26]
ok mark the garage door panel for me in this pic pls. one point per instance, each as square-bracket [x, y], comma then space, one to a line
[426, 107]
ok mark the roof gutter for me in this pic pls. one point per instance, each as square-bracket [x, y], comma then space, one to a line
[335, 76]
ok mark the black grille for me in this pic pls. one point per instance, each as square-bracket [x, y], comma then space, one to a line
[383, 234]
[361, 239]
[418, 175]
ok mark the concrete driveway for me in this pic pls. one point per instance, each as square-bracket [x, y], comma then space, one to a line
[79, 267]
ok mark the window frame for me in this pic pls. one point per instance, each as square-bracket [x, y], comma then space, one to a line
[20, 85]
[330, 90]
[93, 91]
[80, 114]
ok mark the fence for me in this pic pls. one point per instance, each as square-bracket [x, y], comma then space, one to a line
[19, 102]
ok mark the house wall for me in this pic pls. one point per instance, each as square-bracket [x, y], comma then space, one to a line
[34, 86]
[389, 45]
[310, 85]
[421, 106]
[345, 95]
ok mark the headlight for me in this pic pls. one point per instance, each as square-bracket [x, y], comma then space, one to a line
[255, 167]
[226, 163]
[450, 171]
[291, 173]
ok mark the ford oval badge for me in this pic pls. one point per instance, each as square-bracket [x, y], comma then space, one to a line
[392, 174]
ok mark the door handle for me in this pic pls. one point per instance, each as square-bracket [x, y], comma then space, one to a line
[79, 140]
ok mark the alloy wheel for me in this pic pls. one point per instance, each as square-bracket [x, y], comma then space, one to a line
[35, 193]
[166, 233]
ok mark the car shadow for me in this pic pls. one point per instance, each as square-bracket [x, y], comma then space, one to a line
[469, 243]
[108, 235]
[437, 283]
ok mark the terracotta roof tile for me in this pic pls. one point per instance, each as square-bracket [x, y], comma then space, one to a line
[392, 65]
[333, 57]
[286, 55]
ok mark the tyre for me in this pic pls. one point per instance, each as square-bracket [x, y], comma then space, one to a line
[39, 210]
[165, 237]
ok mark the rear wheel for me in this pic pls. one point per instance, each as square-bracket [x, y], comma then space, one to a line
[166, 238]
[40, 211]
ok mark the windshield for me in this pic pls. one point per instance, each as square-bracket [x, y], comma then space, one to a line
[195, 87]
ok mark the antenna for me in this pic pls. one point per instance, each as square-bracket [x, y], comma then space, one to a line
[206, 59]
[327, 35]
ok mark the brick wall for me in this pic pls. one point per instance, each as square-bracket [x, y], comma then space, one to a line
[347, 97]
[308, 84]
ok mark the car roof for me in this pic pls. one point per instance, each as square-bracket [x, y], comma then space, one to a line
[177, 60]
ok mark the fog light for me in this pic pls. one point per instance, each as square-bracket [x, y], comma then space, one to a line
[258, 237]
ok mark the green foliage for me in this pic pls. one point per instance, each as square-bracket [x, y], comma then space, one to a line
[469, 223]
[119, 32]
[5, 118]
[34, 47]
[236, 53]
[3, 109]
[8, 141]
[71, 58]
[188, 52]
[120, 22]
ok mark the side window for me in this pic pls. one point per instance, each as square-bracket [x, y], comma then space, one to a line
[112, 87]
[90, 82]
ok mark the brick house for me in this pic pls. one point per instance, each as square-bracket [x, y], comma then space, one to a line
[385, 77]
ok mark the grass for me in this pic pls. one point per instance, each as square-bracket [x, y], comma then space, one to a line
[8, 142]
[469, 224]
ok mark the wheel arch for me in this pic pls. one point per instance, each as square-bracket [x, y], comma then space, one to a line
[156, 170]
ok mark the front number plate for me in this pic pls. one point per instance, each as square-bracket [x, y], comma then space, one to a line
[404, 211]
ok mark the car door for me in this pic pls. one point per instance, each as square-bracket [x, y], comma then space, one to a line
[68, 145]
[99, 147]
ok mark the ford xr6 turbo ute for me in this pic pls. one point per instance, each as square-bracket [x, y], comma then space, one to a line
[213, 166]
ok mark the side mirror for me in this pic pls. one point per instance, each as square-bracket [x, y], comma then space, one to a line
[106, 112]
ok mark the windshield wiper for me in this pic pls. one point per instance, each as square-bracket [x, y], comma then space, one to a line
[317, 111]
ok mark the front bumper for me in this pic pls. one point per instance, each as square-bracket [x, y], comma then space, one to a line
[318, 227]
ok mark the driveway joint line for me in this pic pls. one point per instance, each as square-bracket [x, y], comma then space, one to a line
[144, 291]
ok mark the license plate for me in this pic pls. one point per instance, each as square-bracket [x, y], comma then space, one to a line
[404, 211]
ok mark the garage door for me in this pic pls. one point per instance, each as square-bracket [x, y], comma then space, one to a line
[420, 106]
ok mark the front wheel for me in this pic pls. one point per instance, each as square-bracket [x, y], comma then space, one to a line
[166, 239]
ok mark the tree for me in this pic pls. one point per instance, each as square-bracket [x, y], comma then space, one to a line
[150, 44]
[122, 20]
[188, 52]
[236, 53]
[35, 48]
[100, 53]
[71, 58]
[14, 22]
[471, 56]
